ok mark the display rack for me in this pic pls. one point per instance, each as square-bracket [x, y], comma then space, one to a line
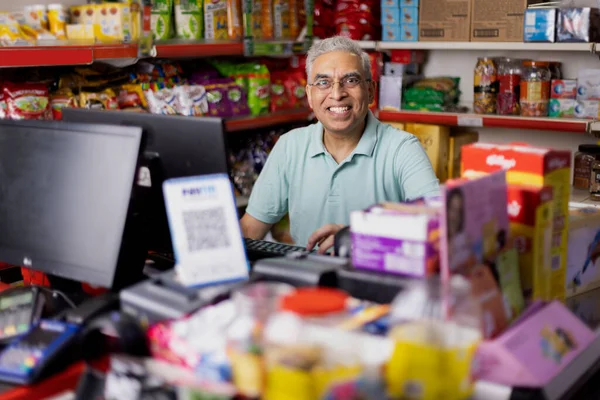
[483, 46]
[265, 121]
[182, 48]
[492, 121]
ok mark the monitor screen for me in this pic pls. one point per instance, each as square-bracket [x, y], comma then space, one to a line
[176, 147]
[65, 191]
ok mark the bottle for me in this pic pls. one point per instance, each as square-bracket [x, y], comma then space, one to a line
[485, 86]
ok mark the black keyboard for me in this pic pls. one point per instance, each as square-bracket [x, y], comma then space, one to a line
[257, 249]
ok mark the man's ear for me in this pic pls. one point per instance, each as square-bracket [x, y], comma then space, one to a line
[308, 95]
[372, 91]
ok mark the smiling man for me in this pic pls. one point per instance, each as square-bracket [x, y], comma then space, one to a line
[347, 161]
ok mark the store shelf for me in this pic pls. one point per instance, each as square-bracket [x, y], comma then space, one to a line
[490, 121]
[482, 46]
[182, 49]
[265, 121]
[63, 55]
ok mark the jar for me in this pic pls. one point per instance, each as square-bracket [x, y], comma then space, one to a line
[485, 86]
[595, 181]
[555, 70]
[535, 89]
[582, 169]
[509, 79]
[254, 303]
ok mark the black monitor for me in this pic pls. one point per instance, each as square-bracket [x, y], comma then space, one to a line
[65, 197]
[176, 146]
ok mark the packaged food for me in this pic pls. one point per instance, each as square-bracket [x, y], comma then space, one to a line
[540, 25]
[189, 19]
[281, 97]
[295, 27]
[281, 19]
[535, 89]
[262, 19]
[36, 16]
[295, 83]
[113, 22]
[588, 84]
[509, 79]
[11, 34]
[102, 100]
[259, 96]
[27, 101]
[218, 100]
[235, 28]
[34, 34]
[215, 20]
[589, 109]
[161, 18]
[2, 103]
[80, 32]
[57, 20]
[85, 14]
[191, 100]
[131, 95]
[485, 86]
[582, 166]
[578, 25]
[161, 101]
[60, 100]
[239, 100]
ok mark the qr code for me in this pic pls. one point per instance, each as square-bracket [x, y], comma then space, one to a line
[206, 229]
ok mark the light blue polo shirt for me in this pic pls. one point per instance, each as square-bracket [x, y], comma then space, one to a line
[302, 178]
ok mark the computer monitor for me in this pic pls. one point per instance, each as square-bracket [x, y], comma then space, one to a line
[176, 147]
[65, 197]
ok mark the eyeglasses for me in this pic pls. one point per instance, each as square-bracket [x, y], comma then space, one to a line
[348, 82]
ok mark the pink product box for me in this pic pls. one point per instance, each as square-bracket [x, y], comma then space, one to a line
[535, 348]
[400, 239]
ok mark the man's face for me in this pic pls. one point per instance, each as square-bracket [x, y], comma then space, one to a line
[341, 109]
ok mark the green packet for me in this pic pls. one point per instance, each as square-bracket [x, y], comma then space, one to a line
[162, 19]
[422, 106]
[189, 19]
[259, 90]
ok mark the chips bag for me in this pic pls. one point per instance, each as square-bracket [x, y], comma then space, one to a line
[191, 100]
[131, 95]
[219, 104]
[239, 101]
[103, 100]
[259, 96]
[60, 100]
[161, 101]
[27, 101]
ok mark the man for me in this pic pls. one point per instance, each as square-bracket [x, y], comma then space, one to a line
[347, 161]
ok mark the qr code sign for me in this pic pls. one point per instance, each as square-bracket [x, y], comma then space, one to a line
[206, 229]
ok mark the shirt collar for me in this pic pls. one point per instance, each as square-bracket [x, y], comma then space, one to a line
[365, 146]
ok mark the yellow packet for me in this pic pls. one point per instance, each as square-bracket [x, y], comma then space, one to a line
[57, 20]
[215, 20]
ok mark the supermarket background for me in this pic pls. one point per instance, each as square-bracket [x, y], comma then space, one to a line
[441, 66]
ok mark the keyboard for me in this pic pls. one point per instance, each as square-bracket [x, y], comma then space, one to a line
[257, 249]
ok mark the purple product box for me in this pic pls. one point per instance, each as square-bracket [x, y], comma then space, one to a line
[402, 241]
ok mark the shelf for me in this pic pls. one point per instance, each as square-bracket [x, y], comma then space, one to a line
[488, 121]
[181, 49]
[35, 56]
[482, 46]
[265, 121]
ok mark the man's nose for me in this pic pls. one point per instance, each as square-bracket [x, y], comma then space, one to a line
[337, 91]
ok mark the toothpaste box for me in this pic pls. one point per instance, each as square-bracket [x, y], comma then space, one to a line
[397, 238]
[538, 167]
[589, 109]
[530, 215]
[564, 89]
[562, 108]
[588, 84]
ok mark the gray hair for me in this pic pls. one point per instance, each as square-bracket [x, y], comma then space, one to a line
[337, 43]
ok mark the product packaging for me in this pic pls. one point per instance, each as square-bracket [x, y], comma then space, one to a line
[162, 19]
[578, 25]
[409, 33]
[390, 93]
[503, 24]
[390, 16]
[589, 109]
[583, 263]
[563, 89]
[391, 33]
[445, 20]
[588, 84]
[189, 19]
[435, 141]
[215, 20]
[540, 25]
[562, 108]
[455, 143]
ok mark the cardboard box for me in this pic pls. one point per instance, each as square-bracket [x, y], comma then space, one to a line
[583, 261]
[538, 167]
[456, 142]
[409, 15]
[444, 20]
[589, 109]
[563, 89]
[390, 33]
[497, 21]
[562, 108]
[435, 140]
[530, 215]
[410, 33]
[390, 16]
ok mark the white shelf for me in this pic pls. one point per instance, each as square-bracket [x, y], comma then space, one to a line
[512, 46]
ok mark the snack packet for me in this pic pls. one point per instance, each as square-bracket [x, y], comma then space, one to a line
[191, 100]
[219, 104]
[234, 19]
[215, 20]
[189, 19]
[27, 101]
[262, 19]
[259, 96]
[161, 101]
[2, 104]
[103, 100]
[281, 95]
[131, 95]
[239, 101]
[161, 19]
[60, 100]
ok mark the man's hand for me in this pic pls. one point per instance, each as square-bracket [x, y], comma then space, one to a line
[323, 237]
[253, 228]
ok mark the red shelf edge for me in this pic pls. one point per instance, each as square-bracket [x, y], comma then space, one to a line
[175, 50]
[489, 121]
[264, 121]
[105, 52]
